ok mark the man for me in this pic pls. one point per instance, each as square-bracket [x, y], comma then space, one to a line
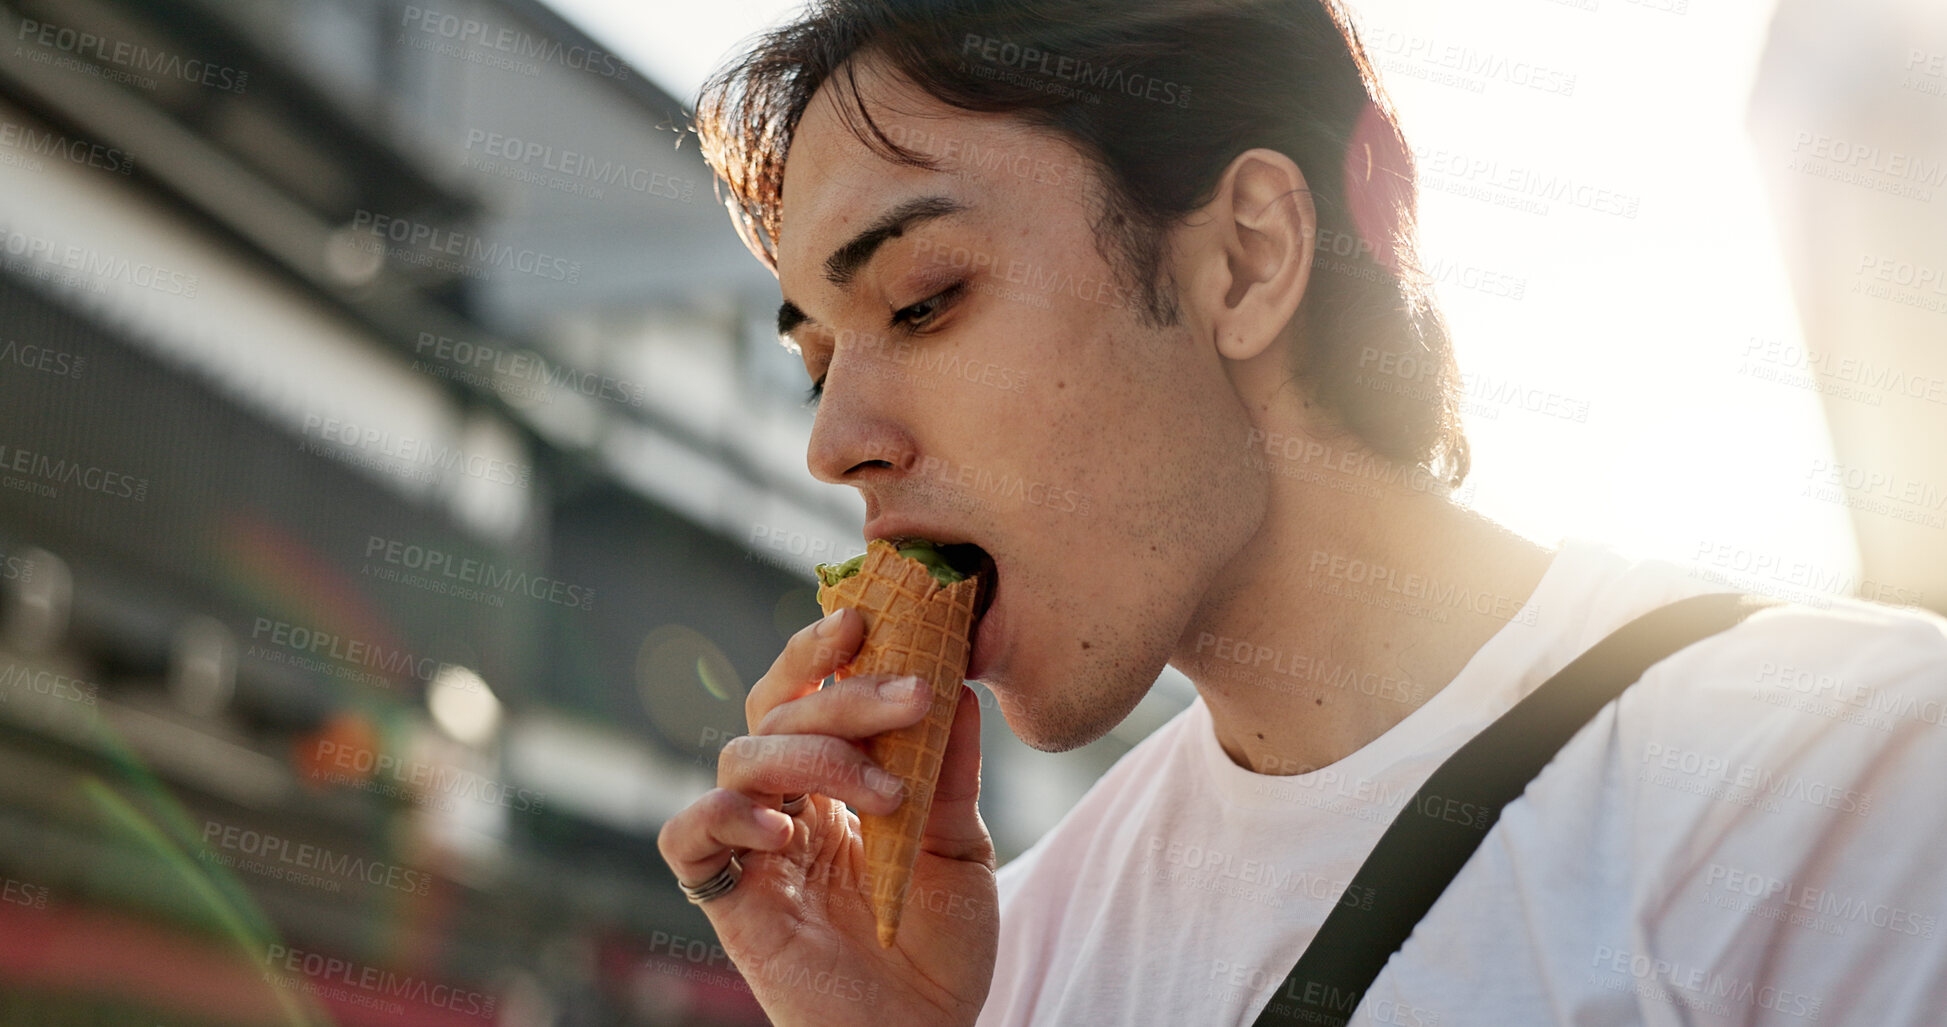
[1155, 260]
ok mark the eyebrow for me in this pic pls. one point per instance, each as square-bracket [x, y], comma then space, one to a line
[844, 263]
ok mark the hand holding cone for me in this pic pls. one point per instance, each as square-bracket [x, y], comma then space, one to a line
[913, 625]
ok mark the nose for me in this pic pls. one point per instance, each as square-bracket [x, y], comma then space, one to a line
[858, 436]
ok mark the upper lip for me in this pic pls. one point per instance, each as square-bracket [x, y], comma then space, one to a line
[898, 529]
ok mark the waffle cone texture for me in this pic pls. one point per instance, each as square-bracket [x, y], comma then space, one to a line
[912, 626]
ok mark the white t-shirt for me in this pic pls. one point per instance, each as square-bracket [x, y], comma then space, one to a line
[1755, 833]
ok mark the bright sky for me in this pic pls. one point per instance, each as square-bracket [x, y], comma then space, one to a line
[1618, 306]
[677, 44]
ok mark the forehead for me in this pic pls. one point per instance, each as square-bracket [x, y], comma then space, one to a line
[835, 184]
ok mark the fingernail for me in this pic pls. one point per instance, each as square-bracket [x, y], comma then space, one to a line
[899, 689]
[829, 626]
[882, 782]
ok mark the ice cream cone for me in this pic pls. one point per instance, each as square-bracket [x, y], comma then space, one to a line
[912, 626]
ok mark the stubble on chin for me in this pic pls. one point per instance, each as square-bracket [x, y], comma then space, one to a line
[1082, 709]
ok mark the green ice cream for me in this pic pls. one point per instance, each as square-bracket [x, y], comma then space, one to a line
[915, 549]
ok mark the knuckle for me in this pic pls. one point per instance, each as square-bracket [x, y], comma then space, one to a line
[718, 804]
[753, 708]
[773, 720]
[667, 836]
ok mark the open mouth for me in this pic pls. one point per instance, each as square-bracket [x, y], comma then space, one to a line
[971, 561]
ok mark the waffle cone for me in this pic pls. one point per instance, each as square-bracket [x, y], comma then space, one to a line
[912, 626]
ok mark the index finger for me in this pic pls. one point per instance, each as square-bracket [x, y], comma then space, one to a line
[809, 657]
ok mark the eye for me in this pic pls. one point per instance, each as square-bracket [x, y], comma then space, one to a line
[815, 393]
[916, 317]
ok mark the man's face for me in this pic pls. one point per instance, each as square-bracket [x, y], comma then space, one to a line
[987, 379]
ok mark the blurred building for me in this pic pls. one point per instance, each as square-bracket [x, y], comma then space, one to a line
[399, 487]
[1848, 117]
[401, 484]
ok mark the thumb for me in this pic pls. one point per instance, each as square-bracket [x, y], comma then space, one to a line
[954, 828]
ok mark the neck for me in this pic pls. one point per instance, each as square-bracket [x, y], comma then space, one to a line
[1345, 613]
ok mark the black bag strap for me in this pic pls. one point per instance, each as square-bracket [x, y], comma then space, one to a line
[1435, 834]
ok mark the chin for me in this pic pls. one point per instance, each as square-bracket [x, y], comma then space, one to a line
[1073, 717]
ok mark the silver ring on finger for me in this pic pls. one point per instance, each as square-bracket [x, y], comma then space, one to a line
[719, 884]
[794, 804]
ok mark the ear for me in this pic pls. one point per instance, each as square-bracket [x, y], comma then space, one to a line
[1258, 235]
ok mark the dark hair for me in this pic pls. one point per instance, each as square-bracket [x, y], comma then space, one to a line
[1160, 96]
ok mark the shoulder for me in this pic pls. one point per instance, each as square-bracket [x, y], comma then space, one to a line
[1778, 785]
[1795, 669]
[1798, 737]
